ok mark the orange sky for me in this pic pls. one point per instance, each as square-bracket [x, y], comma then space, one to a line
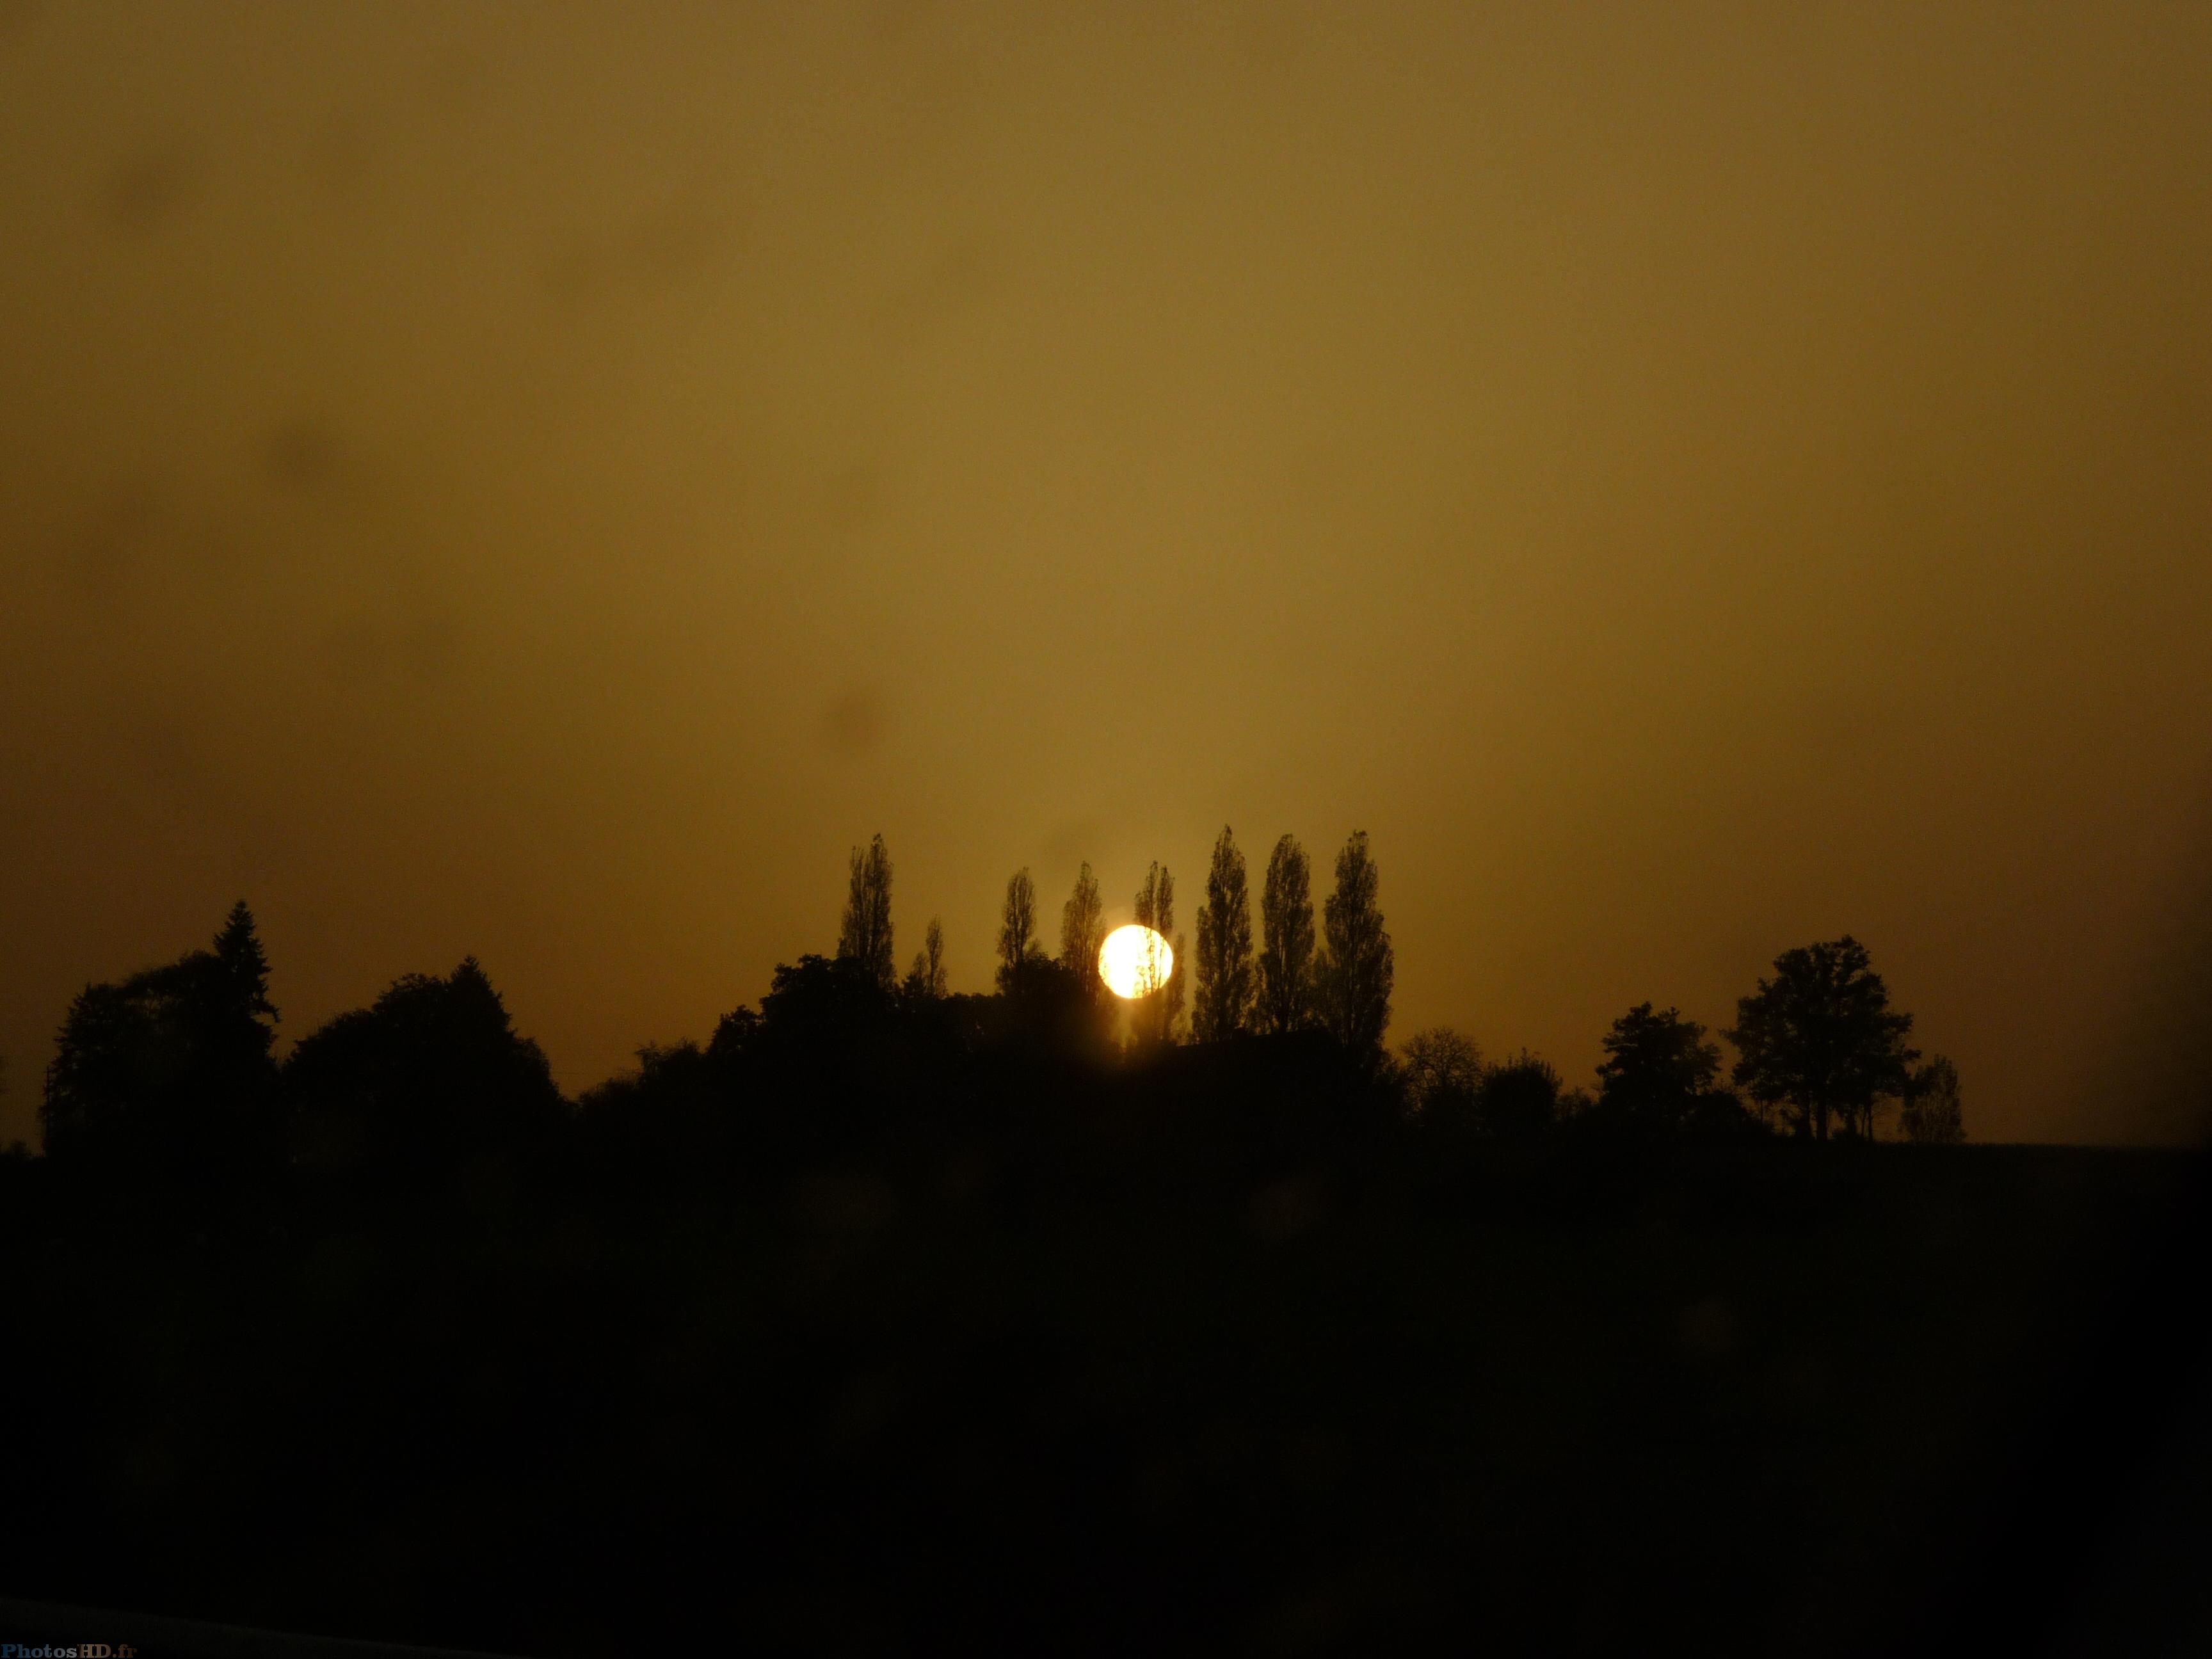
[544, 481]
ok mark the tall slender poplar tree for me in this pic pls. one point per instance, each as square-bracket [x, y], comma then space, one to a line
[1226, 976]
[1017, 940]
[1357, 967]
[926, 977]
[865, 935]
[1160, 1014]
[1083, 930]
[1286, 940]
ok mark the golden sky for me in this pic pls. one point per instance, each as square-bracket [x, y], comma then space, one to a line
[544, 481]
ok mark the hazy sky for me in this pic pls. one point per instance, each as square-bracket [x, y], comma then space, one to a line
[543, 482]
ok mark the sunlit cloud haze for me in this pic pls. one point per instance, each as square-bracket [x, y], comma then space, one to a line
[544, 481]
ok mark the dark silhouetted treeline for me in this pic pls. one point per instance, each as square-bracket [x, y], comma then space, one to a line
[888, 1319]
[173, 1072]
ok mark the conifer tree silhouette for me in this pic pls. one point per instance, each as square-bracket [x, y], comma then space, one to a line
[171, 1066]
[238, 948]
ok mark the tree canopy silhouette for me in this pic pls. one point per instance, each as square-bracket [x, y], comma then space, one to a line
[1082, 932]
[171, 1066]
[432, 1071]
[1933, 1114]
[1286, 940]
[864, 935]
[175, 1065]
[1820, 1038]
[1226, 979]
[1017, 940]
[870, 1240]
[1442, 1072]
[926, 977]
[1358, 968]
[1158, 1017]
[1518, 1098]
[1657, 1067]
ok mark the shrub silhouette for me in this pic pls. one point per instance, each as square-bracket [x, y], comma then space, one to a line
[1518, 1098]
[1933, 1114]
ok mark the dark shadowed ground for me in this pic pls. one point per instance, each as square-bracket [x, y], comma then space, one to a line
[1129, 1369]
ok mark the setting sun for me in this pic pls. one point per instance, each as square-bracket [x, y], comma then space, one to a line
[1134, 962]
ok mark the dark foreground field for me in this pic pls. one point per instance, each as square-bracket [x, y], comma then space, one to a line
[1123, 1379]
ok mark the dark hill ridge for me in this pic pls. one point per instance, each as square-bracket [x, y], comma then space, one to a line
[1137, 1364]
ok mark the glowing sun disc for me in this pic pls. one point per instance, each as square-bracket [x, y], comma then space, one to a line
[1134, 962]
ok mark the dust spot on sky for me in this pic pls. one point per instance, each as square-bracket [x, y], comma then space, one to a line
[1843, 736]
[1074, 841]
[353, 653]
[145, 191]
[98, 562]
[430, 646]
[16, 17]
[164, 754]
[853, 724]
[2180, 402]
[343, 155]
[959, 280]
[361, 651]
[658, 249]
[853, 498]
[300, 454]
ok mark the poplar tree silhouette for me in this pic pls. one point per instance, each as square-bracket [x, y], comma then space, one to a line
[1226, 980]
[1286, 940]
[926, 977]
[1358, 968]
[1017, 940]
[864, 936]
[1820, 1038]
[1160, 1015]
[1082, 932]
